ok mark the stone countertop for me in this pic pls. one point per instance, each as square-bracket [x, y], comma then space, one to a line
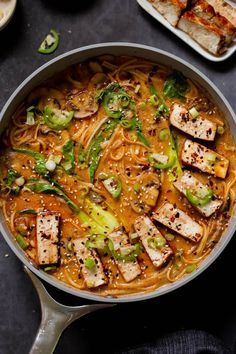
[207, 303]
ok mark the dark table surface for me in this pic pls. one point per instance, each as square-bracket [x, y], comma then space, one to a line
[207, 303]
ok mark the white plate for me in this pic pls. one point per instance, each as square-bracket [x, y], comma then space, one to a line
[184, 36]
[7, 8]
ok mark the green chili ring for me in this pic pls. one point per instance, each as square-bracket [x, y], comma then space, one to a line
[50, 43]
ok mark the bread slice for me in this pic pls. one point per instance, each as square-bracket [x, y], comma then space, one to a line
[202, 31]
[170, 9]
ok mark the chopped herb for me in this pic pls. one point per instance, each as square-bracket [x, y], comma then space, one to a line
[89, 263]
[176, 85]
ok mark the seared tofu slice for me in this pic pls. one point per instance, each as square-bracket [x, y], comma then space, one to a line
[47, 238]
[188, 181]
[178, 221]
[206, 160]
[95, 276]
[226, 27]
[203, 9]
[224, 9]
[170, 9]
[202, 31]
[198, 127]
[129, 270]
[146, 230]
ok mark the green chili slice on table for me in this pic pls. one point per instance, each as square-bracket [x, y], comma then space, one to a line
[50, 43]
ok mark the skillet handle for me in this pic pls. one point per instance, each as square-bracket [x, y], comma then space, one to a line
[49, 332]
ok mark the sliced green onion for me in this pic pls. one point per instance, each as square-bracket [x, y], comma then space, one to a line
[156, 242]
[30, 116]
[89, 263]
[164, 133]
[191, 268]
[194, 113]
[169, 237]
[154, 100]
[137, 88]
[28, 211]
[47, 269]
[220, 130]
[133, 236]
[126, 123]
[22, 242]
[211, 157]
[137, 187]
[142, 106]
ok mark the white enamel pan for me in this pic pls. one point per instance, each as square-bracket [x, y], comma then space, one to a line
[60, 63]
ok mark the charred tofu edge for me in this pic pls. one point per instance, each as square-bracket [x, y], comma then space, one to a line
[204, 32]
[93, 277]
[181, 186]
[169, 9]
[178, 221]
[146, 229]
[195, 155]
[199, 127]
[129, 270]
[47, 238]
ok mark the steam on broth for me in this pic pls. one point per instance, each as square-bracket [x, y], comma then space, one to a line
[117, 175]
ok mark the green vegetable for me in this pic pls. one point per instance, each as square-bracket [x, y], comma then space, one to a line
[162, 109]
[57, 119]
[28, 211]
[220, 130]
[40, 167]
[128, 254]
[114, 103]
[97, 242]
[198, 201]
[154, 100]
[102, 217]
[194, 113]
[176, 85]
[211, 156]
[160, 165]
[191, 268]
[89, 263]
[164, 133]
[22, 242]
[50, 43]
[12, 175]
[49, 268]
[68, 162]
[169, 237]
[44, 187]
[81, 154]
[30, 116]
[137, 187]
[95, 146]
[112, 183]
[126, 123]
[137, 126]
[157, 242]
